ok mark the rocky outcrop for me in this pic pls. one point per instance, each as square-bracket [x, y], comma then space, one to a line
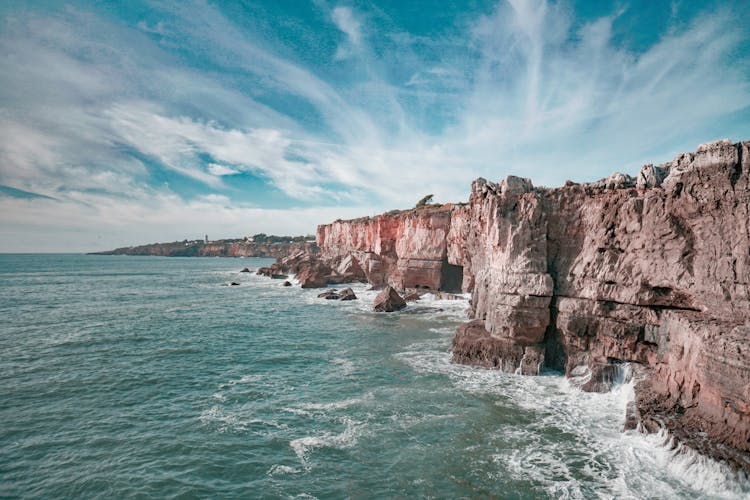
[388, 300]
[313, 272]
[653, 271]
[403, 249]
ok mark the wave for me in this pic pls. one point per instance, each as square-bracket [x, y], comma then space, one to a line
[572, 442]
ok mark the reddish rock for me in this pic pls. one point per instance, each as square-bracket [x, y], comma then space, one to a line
[474, 345]
[388, 300]
[653, 270]
[312, 276]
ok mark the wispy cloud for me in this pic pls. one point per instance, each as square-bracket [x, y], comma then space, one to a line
[345, 21]
[97, 112]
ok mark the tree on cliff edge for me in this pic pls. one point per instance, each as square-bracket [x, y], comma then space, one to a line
[424, 201]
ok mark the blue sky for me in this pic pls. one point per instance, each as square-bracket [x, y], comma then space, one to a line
[131, 122]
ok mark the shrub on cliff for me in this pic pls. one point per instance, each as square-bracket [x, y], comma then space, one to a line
[424, 201]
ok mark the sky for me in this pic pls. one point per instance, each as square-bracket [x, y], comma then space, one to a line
[124, 123]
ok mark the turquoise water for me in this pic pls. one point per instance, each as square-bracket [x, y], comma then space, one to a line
[144, 376]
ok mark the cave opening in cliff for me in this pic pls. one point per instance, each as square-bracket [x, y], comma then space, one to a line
[451, 277]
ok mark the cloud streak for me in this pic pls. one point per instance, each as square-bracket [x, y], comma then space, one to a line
[97, 113]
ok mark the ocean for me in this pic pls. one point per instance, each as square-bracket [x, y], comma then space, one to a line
[130, 376]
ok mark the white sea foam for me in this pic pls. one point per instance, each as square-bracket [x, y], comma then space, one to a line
[277, 469]
[627, 464]
[346, 367]
[234, 421]
[336, 405]
[346, 439]
[245, 379]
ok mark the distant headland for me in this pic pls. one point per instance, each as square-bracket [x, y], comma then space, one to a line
[258, 245]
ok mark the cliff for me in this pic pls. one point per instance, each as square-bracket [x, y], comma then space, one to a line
[653, 271]
[221, 248]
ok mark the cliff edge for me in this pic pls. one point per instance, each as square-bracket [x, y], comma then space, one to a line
[653, 271]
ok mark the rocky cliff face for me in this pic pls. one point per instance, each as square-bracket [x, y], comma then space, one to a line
[406, 249]
[652, 271]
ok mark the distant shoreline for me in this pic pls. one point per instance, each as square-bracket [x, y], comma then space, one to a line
[268, 247]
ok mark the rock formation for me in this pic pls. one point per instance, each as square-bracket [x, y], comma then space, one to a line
[388, 300]
[652, 271]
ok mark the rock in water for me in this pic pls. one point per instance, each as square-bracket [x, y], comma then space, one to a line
[347, 294]
[234, 283]
[287, 283]
[245, 270]
[388, 300]
[329, 295]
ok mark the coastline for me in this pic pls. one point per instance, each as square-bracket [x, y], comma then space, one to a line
[584, 278]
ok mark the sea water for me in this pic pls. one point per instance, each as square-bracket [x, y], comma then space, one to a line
[144, 376]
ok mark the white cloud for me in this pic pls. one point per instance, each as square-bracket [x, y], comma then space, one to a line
[220, 170]
[98, 222]
[345, 21]
[526, 93]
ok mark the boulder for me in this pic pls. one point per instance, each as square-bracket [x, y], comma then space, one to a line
[312, 276]
[329, 295]
[347, 294]
[287, 283]
[388, 300]
[245, 270]
[234, 283]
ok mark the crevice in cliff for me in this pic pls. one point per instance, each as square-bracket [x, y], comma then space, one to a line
[737, 170]
[554, 351]
[655, 307]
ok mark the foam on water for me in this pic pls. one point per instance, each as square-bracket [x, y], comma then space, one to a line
[345, 439]
[151, 377]
[630, 463]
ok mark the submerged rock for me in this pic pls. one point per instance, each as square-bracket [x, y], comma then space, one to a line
[287, 283]
[245, 270]
[388, 300]
[234, 283]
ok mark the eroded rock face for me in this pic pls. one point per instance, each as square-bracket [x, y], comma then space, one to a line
[652, 271]
[388, 300]
[404, 249]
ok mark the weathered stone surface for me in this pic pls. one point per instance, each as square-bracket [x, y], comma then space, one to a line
[474, 345]
[347, 294]
[652, 271]
[388, 300]
[329, 295]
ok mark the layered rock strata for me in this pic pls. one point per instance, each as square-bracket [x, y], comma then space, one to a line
[652, 271]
